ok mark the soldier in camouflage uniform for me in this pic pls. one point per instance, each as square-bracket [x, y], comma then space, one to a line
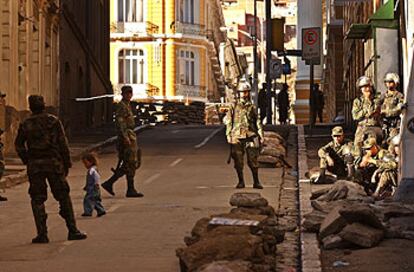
[128, 152]
[366, 111]
[379, 167]
[2, 165]
[42, 146]
[244, 134]
[393, 104]
[334, 156]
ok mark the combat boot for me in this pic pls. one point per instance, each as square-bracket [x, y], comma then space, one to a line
[40, 217]
[256, 182]
[240, 185]
[109, 184]
[131, 192]
[321, 179]
[3, 198]
[66, 212]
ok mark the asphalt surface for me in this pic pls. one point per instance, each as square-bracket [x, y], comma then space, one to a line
[184, 177]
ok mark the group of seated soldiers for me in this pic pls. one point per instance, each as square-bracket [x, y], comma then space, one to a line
[372, 159]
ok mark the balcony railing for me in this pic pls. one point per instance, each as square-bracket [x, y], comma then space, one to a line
[190, 29]
[191, 90]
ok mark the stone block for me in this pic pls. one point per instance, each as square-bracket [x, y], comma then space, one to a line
[360, 213]
[332, 224]
[312, 221]
[248, 200]
[362, 235]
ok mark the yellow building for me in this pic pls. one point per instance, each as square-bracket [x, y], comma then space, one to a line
[167, 49]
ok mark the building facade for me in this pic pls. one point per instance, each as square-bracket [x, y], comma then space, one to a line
[167, 49]
[84, 85]
[28, 59]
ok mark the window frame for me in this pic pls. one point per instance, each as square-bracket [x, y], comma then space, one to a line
[123, 6]
[131, 66]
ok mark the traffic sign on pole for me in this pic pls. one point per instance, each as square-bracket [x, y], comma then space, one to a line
[311, 45]
[276, 68]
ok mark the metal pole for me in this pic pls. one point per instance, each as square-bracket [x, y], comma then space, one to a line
[255, 77]
[268, 58]
[311, 97]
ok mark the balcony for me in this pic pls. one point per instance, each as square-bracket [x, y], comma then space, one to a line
[193, 91]
[190, 29]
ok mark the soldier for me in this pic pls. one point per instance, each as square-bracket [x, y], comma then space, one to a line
[2, 165]
[334, 155]
[42, 146]
[366, 111]
[128, 152]
[244, 134]
[379, 166]
[392, 106]
[283, 104]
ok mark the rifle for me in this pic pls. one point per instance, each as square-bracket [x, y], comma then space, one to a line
[232, 124]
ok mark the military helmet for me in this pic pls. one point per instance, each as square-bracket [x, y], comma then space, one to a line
[363, 81]
[392, 77]
[337, 131]
[370, 142]
[126, 89]
[243, 86]
[2, 94]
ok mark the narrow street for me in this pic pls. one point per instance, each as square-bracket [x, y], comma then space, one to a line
[184, 177]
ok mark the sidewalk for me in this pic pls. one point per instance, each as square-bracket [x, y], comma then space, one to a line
[84, 141]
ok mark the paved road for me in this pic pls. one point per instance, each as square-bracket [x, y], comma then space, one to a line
[184, 177]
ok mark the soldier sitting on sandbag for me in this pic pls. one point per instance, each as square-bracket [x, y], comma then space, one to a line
[335, 156]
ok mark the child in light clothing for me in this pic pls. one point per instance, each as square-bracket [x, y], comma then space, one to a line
[92, 198]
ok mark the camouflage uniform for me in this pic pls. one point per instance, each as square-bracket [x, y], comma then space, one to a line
[391, 109]
[364, 112]
[337, 152]
[128, 151]
[42, 146]
[383, 171]
[244, 131]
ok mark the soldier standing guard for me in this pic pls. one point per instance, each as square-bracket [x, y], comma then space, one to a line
[128, 155]
[42, 146]
[366, 111]
[392, 107]
[244, 134]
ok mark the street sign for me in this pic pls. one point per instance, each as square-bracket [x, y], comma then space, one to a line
[311, 45]
[276, 68]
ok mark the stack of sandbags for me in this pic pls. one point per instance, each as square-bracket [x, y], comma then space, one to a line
[243, 240]
[273, 152]
[179, 113]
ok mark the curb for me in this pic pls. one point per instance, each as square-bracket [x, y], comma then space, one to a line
[15, 179]
[309, 245]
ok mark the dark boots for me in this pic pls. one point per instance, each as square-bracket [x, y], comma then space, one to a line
[131, 192]
[322, 178]
[240, 185]
[3, 198]
[40, 216]
[256, 182]
[66, 212]
[108, 185]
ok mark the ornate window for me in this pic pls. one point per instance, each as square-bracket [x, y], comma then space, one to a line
[187, 10]
[131, 11]
[131, 66]
[187, 74]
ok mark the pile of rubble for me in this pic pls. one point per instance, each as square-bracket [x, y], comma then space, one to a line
[179, 113]
[344, 216]
[243, 240]
[273, 152]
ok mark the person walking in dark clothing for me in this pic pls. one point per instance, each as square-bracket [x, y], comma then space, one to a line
[283, 104]
[262, 102]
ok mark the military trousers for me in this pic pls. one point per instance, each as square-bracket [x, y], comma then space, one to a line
[237, 154]
[362, 131]
[129, 154]
[339, 168]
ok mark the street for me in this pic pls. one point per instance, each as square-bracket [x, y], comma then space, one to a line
[184, 177]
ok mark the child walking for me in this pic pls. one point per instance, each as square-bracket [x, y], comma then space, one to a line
[92, 198]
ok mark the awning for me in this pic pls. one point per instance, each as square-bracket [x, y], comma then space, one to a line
[358, 31]
[384, 17]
